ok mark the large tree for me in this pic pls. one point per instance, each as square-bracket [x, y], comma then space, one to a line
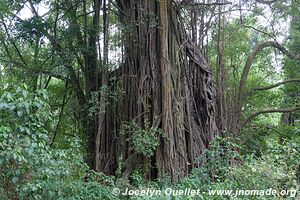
[164, 83]
[168, 85]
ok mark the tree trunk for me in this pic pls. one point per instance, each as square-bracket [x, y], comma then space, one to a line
[220, 79]
[167, 82]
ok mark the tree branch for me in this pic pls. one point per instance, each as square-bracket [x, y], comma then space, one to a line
[260, 31]
[276, 84]
[74, 79]
[64, 102]
[192, 3]
[266, 2]
[13, 43]
[24, 67]
[55, 75]
[249, 63]
[286, 110]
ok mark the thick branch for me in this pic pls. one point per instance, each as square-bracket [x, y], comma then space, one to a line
[276, 84]
[266, 2]
[286, 110]
[55, 75]
[192, 3]
[242, 85]
[250, 60]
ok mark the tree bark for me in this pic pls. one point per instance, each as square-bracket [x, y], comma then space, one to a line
[276, 84]
[168, 83]
[220, 79]
[286, 110]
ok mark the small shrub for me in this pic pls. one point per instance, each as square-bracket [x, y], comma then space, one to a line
[144, 140]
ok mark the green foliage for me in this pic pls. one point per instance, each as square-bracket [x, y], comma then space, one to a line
[268, 158]
[266, 155]
[226, 169]
[96, 106]
[276, 168]
[291, 68]
[29, 168]
[144, 140]
[23, 136]
[113, 97]
[23, 120]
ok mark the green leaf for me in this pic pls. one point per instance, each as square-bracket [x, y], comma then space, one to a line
[25, 93]
[19, 113]
[15, 179]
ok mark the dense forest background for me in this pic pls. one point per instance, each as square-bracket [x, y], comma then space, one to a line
[103, 94]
